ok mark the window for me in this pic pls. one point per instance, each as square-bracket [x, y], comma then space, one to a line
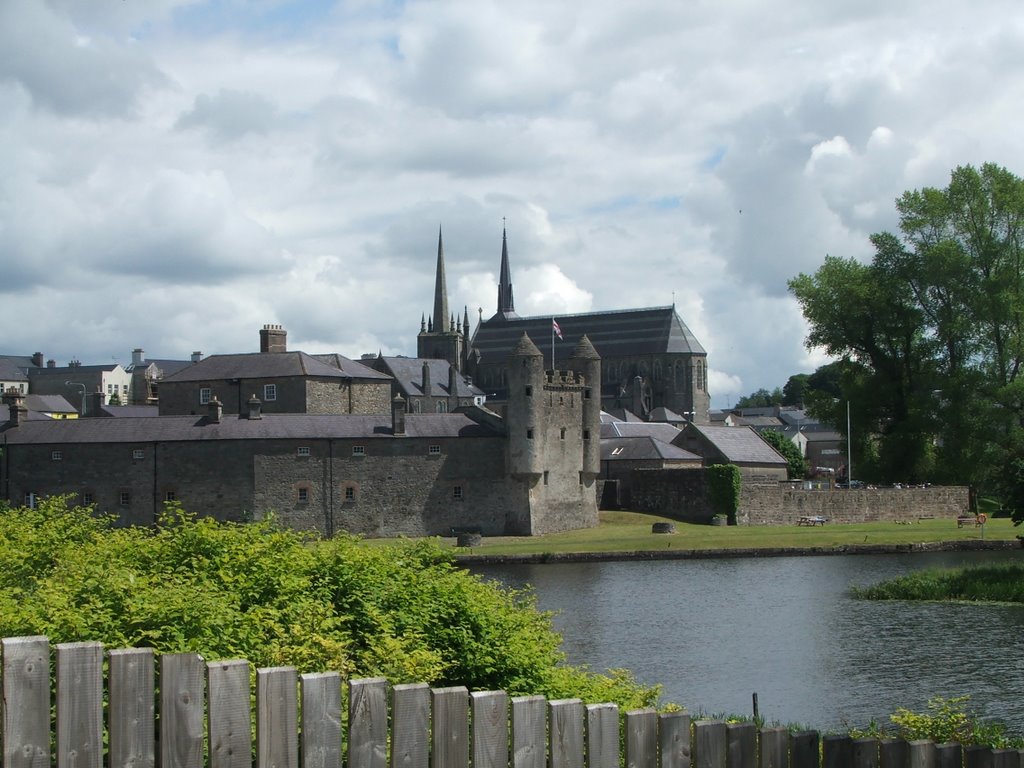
[350, 493]
[125, 498]
[586, 393]
[30, 500]
[302, 450]
[442, 406]
[529, 434]
[586, 434]
[269, 392]
[303, 495]
[138, 454]
[434, 450]
[110, 388]
[170, 496]
[56, 455]
[561, 433]
[87, 497]
[545, 477]
[457, 492]
[529, 391]
[358, 450]
[204, 395]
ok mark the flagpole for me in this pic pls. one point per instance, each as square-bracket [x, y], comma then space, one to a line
[552, 343]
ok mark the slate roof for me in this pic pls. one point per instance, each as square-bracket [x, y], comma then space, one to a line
[13, 370]
[295, 426]
[64, 370]
[740, 445]
[134, 411]
[49, 404]
[643, 448]
[661, 413]
[619, 333]
[169, 367]
[276, 365]
[664, 432]
[350, 368]
[408, 372]
[5, 415]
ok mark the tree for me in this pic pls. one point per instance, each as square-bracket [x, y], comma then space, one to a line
[797, 465]
[762, 398]
[795, 388]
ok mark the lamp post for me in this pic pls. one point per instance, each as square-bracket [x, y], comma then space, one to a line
[849, 450]
[78, 384]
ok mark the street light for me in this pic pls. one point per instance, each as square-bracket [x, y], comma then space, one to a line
[78, 384]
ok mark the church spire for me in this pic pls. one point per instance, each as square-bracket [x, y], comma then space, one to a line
[506, 306]
[440, 291]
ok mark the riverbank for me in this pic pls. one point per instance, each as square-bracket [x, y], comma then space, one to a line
[629, 536]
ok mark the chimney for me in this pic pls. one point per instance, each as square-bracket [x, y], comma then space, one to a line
[51, 363]
[197, 356]
[138, 356]
[398, 415]
[255, 408]
[16, 410]
[426, 379]
[92, 403]
[216, 409]
[273, 339]
[37, 359]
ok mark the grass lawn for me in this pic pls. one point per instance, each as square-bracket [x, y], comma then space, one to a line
[631, 531]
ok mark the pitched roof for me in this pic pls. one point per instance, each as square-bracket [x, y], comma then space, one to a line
[643, 448]
[408, 372]
[168, 367]
[618, 333]
[664, 432]
[49, 404]
[296, 426]
[271, 365]
[12, 370]
[64, 370]
[740, 445]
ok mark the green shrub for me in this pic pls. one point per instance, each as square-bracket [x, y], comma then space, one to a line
[724, 487]
[945, 720]
[277, 597]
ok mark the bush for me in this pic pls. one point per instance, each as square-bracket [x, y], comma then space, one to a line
[277, 597]
[724, 486]
[945, 720]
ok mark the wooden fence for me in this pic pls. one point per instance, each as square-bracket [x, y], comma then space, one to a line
[203, 716]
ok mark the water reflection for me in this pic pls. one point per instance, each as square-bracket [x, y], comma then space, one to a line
[714, 631]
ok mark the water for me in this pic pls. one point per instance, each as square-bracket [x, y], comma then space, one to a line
[714, 631]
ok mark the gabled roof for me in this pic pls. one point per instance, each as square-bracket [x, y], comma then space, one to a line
[408, 373]
[134, 411]
[739, 445]
[296, 426]
[643, 448]
[350, 368]
[664, 432]
[5, 415]
[169, 367]
[618, 333]
[65, 370]
[271, 365]
[661, 413]
[49, 404]
[13, 370]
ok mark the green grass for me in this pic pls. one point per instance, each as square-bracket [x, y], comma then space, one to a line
[1001, 583]
[631, 532]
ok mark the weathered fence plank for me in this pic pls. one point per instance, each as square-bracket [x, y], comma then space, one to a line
[674, 740]
[182, 677]
[977, 757]
[865, 753]
[921, 754]
[1005, 758]
[450, 743]
[710, 745]
[803, 749]
[602, 736]
[529, 732]
[131, 722]
[490, 729]
[741, 745]
[949, 755]
[321, 719]
[277, 718]
[774, 752]
[410, 744]
[641, 738]
[368, 723]
[836, 751]
[228, 725]
[565, 737]
[26, 702]
[893, 753]
[79, 705]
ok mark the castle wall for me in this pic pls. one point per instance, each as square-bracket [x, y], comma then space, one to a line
[347, 396]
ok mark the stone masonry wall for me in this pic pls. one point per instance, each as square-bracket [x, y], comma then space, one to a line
[681, 494]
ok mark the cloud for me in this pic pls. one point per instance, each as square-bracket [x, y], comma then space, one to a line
[229, 115]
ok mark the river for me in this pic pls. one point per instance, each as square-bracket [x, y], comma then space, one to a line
[712, 632]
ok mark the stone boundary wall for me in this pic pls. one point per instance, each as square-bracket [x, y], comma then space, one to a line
[682, 494]
[764, 505]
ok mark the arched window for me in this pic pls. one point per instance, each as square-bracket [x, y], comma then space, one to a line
[442, 406]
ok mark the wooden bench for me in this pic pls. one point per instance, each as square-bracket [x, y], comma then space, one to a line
[963, 520]
[811, 520]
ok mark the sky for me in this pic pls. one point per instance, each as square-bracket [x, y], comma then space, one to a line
[178, 173]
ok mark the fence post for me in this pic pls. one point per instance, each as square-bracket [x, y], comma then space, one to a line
[321, 719]
[367, 723]
[182, 677]
[26, 702]
[921, 754]
[977, 757]
[774, 752]
[451, 727]
[741, 740]
[131, 717]
[837, 751]
[277, 718]
[529, 732]
[565, 718]
[410, 726]
[79, 705]
[865, 753]
[1005, 758]
[710, 746]
[229, 717]
[602, 736]
[641, 739]
[804, 750]
[674, 740]
[893, 753]
[950, 755]
[490, 729]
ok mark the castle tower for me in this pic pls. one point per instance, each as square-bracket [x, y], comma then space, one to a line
[587, 364]
[523, 414]
[441, 339]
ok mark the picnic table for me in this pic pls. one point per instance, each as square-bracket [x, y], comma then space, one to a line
[811, 520]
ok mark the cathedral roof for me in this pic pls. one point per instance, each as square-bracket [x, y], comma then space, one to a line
[619, 333]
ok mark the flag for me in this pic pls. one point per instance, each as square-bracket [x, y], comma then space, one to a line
[555, 329]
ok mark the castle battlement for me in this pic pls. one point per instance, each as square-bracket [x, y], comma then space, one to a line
[564, 381]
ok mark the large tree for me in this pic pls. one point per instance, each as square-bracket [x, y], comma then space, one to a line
[930, 333]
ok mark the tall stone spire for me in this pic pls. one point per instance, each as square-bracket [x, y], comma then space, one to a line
[506, 306]
[440, 291]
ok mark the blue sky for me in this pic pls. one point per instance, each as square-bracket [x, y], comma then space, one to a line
[180, 172]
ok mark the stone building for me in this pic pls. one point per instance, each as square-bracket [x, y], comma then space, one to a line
[386, 473]
[429, 386]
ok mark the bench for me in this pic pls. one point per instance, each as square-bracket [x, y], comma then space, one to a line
[963, 520]
[811, 520]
